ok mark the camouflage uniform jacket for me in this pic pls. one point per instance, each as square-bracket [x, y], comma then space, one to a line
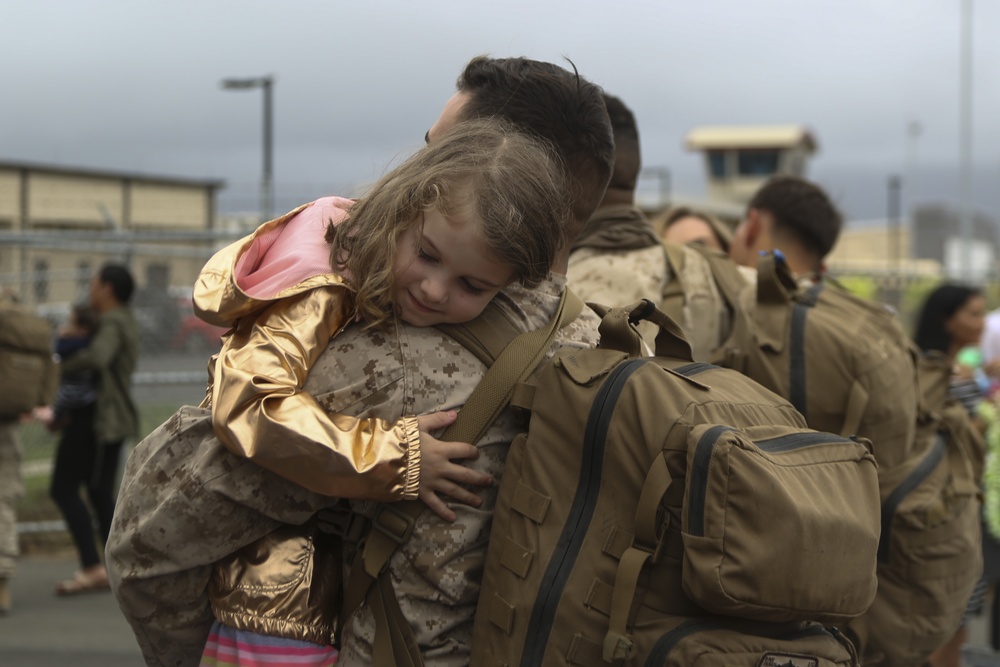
[187, 504]
[622, 277]
[259, 408]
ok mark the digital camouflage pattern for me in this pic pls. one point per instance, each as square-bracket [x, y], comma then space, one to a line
[11, 489]
[186, 502]
[622, 277]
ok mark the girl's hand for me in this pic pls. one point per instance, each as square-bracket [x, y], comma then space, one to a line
[439, 474]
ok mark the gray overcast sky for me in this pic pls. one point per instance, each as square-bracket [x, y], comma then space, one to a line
[128, 85]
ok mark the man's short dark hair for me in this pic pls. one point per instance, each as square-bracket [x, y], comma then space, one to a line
[628, 159]
[801, 210]
[120, 279]
[553, 104]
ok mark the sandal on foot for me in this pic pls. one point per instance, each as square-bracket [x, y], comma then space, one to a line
[83, 582]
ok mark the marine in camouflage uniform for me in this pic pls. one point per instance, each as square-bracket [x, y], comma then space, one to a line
[618, 259]
[11, 489]
[601, 273]
[186, 501]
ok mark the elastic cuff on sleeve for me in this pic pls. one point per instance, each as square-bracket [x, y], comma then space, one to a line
[411, 440]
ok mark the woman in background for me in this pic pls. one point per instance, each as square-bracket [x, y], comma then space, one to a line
[952, 319]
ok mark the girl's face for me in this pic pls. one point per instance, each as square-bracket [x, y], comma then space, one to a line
[444, 273]
[966, 326]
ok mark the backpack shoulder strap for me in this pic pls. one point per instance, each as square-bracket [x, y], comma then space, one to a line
[393, 524]
[486, 336]
[776, 289]
[672, 298]
[725, 273]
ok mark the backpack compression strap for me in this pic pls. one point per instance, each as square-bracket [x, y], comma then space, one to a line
[393, 523]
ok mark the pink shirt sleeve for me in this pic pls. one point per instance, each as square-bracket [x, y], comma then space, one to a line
[287, 255]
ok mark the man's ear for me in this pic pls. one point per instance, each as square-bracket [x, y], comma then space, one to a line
[754, 227]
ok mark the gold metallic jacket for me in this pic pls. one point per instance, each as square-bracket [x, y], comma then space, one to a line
[259, 410]
[288, 583]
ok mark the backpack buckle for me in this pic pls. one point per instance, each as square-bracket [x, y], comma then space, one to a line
[394, 524]
[343, 522]
[617, 647]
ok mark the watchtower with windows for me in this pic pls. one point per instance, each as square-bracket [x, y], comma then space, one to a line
[738, 159]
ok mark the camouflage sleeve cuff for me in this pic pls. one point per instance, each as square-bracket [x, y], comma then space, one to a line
[411, 472]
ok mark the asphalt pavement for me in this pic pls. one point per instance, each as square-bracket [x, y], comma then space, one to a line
[45, 630]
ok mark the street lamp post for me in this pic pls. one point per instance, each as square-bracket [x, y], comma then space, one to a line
[266, 182]
[913, 131]
[895, 241]
[965, 149]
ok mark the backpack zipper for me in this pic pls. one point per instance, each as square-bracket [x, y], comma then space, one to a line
[581, 512]
[693, 369]
[668, 642]
[912, 481]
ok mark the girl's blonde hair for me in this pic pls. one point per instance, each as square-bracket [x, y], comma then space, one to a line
[512, 183]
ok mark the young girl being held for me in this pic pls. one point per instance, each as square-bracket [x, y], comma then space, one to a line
[433, 242]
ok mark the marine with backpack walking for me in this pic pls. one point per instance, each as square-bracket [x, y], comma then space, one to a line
[618, 258]
[848, 367]
[29, 382]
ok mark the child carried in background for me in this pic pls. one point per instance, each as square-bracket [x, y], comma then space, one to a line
[432, 243]
[75, 389]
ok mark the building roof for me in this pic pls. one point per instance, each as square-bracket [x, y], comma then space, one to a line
[107, 173]
[750, 136]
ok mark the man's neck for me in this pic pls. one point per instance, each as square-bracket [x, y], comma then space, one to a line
[107, 306]
[801, 265]
[799, 260]
[617, 197]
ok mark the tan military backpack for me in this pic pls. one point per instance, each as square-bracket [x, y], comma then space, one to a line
[29, 374]
[844, 363]
[930, 554]
[849, 368]
[665, 512]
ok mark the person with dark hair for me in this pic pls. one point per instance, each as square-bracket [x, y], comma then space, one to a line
[951, 318]
[793, 215]
[547, 102]
[166, 541]
[90, 446]
[618, 258]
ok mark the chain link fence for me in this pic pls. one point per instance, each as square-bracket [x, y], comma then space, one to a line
[176, 345]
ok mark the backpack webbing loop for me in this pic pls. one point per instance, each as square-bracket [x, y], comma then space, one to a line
[645, 546]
